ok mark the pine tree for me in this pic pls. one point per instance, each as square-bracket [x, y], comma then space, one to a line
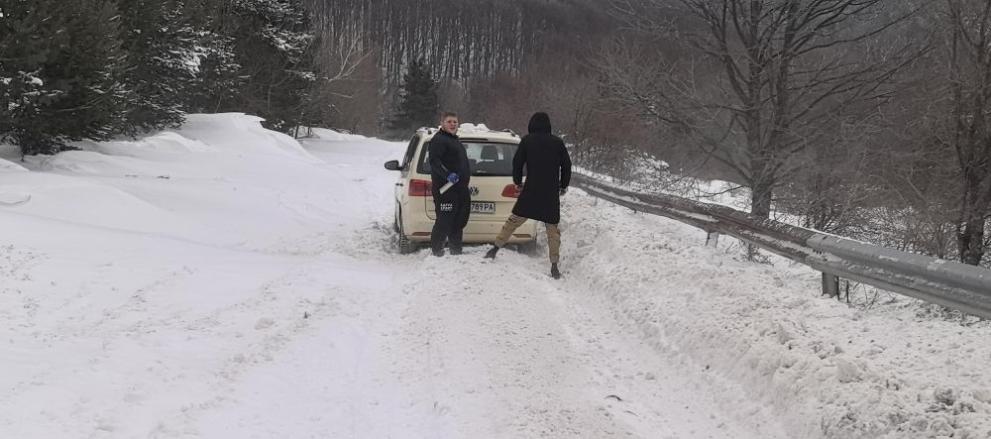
[162, 63]
[273, 48]
[418, 103]
[23, 49]
[216, 83]
[58, 71]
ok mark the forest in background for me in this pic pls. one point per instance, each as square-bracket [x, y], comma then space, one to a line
[864, 118]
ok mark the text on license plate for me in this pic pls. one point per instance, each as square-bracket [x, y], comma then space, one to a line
[482, 207]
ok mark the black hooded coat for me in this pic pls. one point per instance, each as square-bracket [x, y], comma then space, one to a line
[548, 170]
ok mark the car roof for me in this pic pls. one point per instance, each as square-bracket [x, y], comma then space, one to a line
[477, 133]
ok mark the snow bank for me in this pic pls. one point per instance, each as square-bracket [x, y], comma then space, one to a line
[10, 196]
[334, 136]
[140, 278]
[828, 369]
[240, 133]
[9, 166]
[60, 198]
[188, 182]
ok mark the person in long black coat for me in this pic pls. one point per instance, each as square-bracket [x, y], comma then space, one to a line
[548, 173]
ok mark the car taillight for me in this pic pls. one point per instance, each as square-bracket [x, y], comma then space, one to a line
[419, 188]
[510, 191]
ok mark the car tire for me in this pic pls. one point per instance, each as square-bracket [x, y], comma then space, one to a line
[403, 243]
[395, 221]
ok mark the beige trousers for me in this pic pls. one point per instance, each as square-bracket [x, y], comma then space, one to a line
[553, 236]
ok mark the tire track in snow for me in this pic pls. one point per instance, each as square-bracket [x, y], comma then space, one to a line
[509, 352]
[285, 309]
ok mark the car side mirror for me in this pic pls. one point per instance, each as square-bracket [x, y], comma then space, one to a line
[392, 165]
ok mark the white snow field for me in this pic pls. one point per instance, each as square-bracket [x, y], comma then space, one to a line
[224, 281]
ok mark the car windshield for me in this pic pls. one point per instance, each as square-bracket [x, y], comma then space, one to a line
[486, 158]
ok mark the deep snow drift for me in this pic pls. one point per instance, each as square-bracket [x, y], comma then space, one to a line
[224, 281]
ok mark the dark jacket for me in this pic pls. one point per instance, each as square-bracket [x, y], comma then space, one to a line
[447, 155]
[548, 170]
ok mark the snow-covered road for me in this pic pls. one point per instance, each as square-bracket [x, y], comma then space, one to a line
[222, 282]
[457, 347]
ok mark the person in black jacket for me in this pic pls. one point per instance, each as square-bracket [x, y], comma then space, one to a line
[449, 164]
[548, 173]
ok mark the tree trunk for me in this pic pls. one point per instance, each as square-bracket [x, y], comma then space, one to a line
[760, 204]
[761, 187]
[970, 231]
[760, 200]
[970, 239]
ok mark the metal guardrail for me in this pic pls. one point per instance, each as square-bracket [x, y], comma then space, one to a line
[958, 286]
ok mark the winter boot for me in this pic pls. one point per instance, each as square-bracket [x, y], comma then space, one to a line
[492, 252]
[555, 273]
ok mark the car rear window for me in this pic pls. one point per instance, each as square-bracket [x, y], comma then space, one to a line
[486, 158]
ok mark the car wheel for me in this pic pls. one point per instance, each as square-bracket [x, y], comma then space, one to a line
[395, 221]
[403, 243]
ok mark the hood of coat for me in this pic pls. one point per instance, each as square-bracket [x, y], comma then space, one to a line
[540, 123]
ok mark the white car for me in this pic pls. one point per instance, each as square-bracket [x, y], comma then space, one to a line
[492, 191]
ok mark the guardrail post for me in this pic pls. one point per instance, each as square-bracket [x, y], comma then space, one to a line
[830, 285]
[712, 239]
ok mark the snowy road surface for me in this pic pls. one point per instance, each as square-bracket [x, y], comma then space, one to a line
[221, 282]
[456, 347]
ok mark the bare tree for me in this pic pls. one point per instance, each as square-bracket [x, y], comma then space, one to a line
[969, 133]
[342, 54]
[341, 64]
[761, 82]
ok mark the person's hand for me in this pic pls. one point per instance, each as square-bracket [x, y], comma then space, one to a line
[563, 191]
[453, 178]
[519, 187]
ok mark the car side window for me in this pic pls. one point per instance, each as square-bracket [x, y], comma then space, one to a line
[425, 160]
[410, 150]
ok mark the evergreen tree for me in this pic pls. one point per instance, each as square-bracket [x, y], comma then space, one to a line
[273, 50]
[418, 100]
[58, 70]
[23, 49]
[161, 63]
[215, 85]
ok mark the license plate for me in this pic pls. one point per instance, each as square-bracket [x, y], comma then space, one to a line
[482, 207]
